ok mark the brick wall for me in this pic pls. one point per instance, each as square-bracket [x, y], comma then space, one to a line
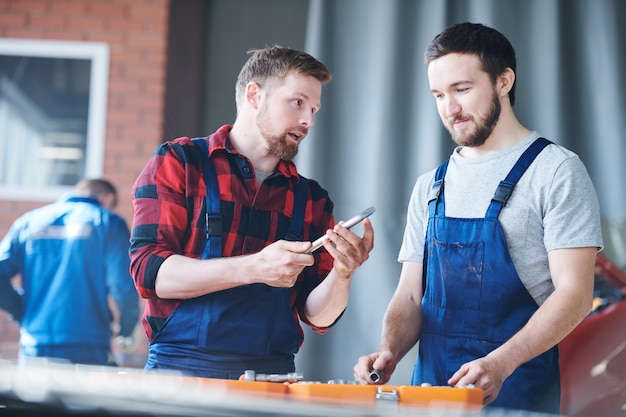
[136, 31]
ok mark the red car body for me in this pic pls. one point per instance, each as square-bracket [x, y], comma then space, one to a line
[593, 356]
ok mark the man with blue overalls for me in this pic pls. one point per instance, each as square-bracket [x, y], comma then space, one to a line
[499, 249]
[222, 227]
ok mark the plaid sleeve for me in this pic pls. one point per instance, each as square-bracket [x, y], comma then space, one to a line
[163, 211]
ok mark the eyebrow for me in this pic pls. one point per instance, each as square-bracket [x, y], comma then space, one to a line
[455, 84]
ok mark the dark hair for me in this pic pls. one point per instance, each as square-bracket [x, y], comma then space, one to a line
[95, 187]
[274, 63]
[492, 48]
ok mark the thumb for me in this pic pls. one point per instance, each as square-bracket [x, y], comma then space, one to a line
[379, 363]
[382, 360]
[295, 246]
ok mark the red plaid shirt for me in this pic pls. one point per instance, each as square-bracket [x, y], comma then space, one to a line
[168, 198]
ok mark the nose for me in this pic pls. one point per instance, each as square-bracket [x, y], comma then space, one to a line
[451, 107]
[306, 118]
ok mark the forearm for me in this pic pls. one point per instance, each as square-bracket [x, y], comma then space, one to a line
[328, 300]
[181, 277]
[554, 320]
[402, 325]
[277, 265]
[572, 273]
[128, 307]
[10, 300]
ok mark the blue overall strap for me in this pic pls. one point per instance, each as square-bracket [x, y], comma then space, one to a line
[213, 216]
[213, 225]
[435, 198]
[436, 192]
[505, 188]
[299, 206]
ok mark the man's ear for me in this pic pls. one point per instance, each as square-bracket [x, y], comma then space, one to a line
[108, 200]
[253, 94]
[506, 79]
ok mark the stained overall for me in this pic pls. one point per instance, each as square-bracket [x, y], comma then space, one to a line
[474, 300]
[251, 327]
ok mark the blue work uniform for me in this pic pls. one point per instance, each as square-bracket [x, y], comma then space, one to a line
[71, 255]
[474, 300]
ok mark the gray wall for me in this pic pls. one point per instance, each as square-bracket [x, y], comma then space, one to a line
[234, 28]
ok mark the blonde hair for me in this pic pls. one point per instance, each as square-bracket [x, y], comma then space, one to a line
[268, 65]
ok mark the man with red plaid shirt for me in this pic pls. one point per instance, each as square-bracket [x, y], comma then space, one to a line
[221, 316]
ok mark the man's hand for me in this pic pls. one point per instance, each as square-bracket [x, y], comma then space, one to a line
[125, 342]
[281, 262]
[382, 362]
[348, 249]
[484, 373]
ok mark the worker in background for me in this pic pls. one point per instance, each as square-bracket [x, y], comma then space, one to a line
[72, 258]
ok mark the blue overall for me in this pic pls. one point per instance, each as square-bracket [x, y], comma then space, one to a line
[474, 300]
[223, 334]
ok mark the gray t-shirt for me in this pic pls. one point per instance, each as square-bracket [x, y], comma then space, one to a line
[553, 206]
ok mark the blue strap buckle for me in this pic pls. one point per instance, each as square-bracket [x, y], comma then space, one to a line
[503, 192]
[213, 224]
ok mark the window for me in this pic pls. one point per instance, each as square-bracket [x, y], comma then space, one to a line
[52, 116]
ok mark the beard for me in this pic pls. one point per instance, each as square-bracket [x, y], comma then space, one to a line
[280, 145]
[483, 128]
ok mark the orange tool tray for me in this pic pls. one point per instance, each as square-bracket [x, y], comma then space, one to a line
[466, 399]
[256, 388]
[350, 394]
[470, 399]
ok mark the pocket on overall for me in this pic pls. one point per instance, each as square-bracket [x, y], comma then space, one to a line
[459, 273]
[252, 320]
[236, 321]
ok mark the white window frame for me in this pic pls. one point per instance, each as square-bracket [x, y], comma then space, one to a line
[98, 53]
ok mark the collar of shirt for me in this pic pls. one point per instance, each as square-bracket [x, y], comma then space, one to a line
[220, 141]
[79, 199]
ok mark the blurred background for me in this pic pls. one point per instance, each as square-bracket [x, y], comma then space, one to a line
[113, 79]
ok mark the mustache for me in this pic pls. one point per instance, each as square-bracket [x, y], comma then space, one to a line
[455, 119]
[303, 131]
